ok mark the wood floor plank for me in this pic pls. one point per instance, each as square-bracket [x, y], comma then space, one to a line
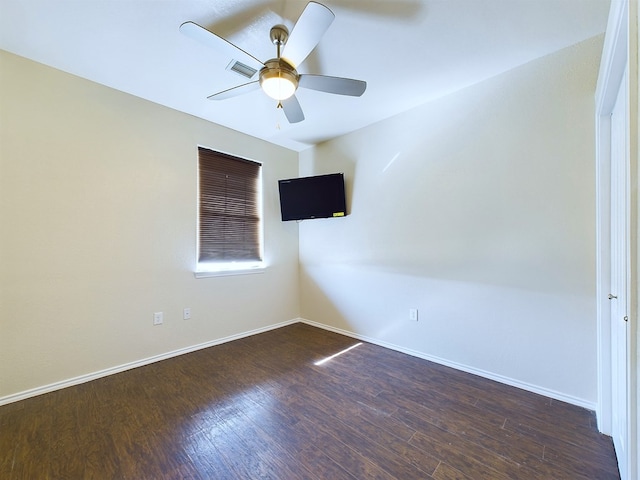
[454, 445]
[412, 374]
[260, 407]
[277, 422]
[544, 420]
[597, 459]
[447, 472]
[372, 441]
[350, 459]
[203, 453]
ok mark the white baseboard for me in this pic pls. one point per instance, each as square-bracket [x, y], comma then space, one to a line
[465, 368]
[146, 361]
[138, 363]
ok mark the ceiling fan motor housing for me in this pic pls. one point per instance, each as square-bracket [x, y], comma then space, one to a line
[276, 70]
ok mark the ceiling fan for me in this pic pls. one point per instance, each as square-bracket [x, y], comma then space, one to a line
[278, 76]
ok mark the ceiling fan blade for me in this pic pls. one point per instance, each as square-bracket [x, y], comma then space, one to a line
[292, 109]
[235, 91]
[340, 86]
[307, 32]
[210, 39]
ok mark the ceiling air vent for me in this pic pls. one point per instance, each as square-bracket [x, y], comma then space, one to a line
[241, 69]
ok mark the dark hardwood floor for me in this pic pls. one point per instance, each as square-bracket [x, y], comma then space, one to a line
[260, 408]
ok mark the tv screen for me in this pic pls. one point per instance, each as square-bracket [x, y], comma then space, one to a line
[320, 196]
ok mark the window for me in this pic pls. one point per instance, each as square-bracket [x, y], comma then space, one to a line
[229, 216]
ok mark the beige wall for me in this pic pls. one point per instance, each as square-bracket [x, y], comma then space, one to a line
[477, 209]
[98, 231]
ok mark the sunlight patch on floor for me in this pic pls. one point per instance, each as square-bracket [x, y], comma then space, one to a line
[325, 360]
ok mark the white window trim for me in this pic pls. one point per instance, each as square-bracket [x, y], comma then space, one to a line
[205, 270]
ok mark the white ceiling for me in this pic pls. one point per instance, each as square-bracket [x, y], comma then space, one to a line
[408, 51]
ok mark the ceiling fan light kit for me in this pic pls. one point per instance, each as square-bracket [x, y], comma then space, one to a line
[278, 76]
[278, 79]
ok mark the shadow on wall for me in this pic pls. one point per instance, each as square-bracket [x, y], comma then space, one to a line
[540, 338]
[317, 304]
[490, 185]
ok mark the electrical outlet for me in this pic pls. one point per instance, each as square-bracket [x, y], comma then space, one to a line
[186, 313]
[413, 314]
[158, 318]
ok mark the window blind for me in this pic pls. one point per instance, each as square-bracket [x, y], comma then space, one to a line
[229, 210]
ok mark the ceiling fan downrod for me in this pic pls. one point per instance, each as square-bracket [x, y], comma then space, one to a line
[278, 78]
[279, 35]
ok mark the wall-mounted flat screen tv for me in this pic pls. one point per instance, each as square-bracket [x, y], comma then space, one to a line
[320, 196]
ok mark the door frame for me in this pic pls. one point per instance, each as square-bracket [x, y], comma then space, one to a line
[615, 59]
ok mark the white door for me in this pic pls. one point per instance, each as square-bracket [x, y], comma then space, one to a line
[619, 279]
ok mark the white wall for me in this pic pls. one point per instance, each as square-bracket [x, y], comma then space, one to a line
[98, 231]
[477, 209]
